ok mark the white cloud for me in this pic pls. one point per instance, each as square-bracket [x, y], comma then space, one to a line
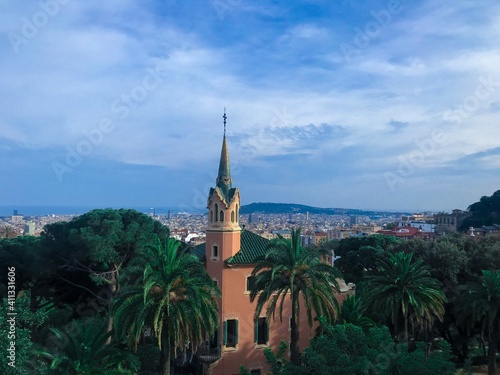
[275, 77]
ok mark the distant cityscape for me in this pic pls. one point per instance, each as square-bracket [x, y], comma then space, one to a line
[190, 227]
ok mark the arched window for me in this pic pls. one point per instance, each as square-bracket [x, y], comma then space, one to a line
[216, 211]
[232, 216]
[237, 212]
[211, 216]
[221, 215]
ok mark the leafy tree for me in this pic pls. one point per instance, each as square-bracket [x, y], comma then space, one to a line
[288, 268]
[23, 362]
[484, 254]
[35, 268]
[93, 250]
[176, 297]
[359, 254]
[480, 303]
[446, 256]
[401, 287]
[420, 362]
[484, 212]
[350, 350]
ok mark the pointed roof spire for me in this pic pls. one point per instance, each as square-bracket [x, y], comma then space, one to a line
[224, 181]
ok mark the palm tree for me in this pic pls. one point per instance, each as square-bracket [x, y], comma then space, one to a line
[400, 286]
[352, 312]
[289, 269]
[176, 297]
[480, 303]
[84, 349]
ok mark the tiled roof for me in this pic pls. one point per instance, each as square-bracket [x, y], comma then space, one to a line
[225, 196]
[252, 245]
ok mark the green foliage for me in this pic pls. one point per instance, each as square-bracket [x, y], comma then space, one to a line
[479, 303]
[34, 263]
[149, 355]
[352, 311]
[345, 349]
[288, 270]
[176, 297]
[403, 288]
[83, 349]
[484, 212]
[24, 322]
[446, 256]
[419, 362]
[277, 361]
[359, 254]
[350, 350]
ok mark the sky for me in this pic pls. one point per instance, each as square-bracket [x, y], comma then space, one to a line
[387, 105]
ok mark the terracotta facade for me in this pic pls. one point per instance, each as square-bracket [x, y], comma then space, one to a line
[242, 339]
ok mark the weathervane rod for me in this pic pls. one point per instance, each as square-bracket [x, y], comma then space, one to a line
[225, 118]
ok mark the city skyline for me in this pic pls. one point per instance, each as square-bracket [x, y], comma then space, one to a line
[383, 105]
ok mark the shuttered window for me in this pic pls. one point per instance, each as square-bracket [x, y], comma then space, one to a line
[231, 333]
[261, 331]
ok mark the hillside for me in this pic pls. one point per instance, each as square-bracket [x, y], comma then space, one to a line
[293, 208]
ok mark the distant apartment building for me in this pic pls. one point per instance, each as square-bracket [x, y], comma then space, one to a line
[253, 218]
[307, 240]
[285, 233]
[320, 237]
[449, 223]
[17, 219]
[407, 232]
[359, 231]
[354, 220]
[29, 228]
[425, 216]
[340, 234]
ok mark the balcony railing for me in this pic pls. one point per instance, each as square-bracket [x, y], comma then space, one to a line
[208, 354]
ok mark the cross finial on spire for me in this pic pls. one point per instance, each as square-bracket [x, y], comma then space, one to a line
[225, 118]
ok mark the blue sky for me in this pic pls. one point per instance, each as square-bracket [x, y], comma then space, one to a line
[362, 104]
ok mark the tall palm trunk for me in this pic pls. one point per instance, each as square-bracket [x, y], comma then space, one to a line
[113, 291]
[165, 351]
[492, 347]
[294, 327]
[406, 327]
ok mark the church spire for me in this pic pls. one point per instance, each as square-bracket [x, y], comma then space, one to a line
[224, 181]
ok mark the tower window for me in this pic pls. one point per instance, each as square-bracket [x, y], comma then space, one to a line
[216, 211]
[211, 216]
[221, 215]
[232, 216]
[237, 212]
[215, 252]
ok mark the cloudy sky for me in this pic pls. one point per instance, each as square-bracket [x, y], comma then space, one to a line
[362, 104]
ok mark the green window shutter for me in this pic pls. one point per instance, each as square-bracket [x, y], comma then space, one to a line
[267, 332]
[225, 332]
[236, 331]
[256, 330]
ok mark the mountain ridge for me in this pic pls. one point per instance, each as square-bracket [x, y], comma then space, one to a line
[295, 208]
